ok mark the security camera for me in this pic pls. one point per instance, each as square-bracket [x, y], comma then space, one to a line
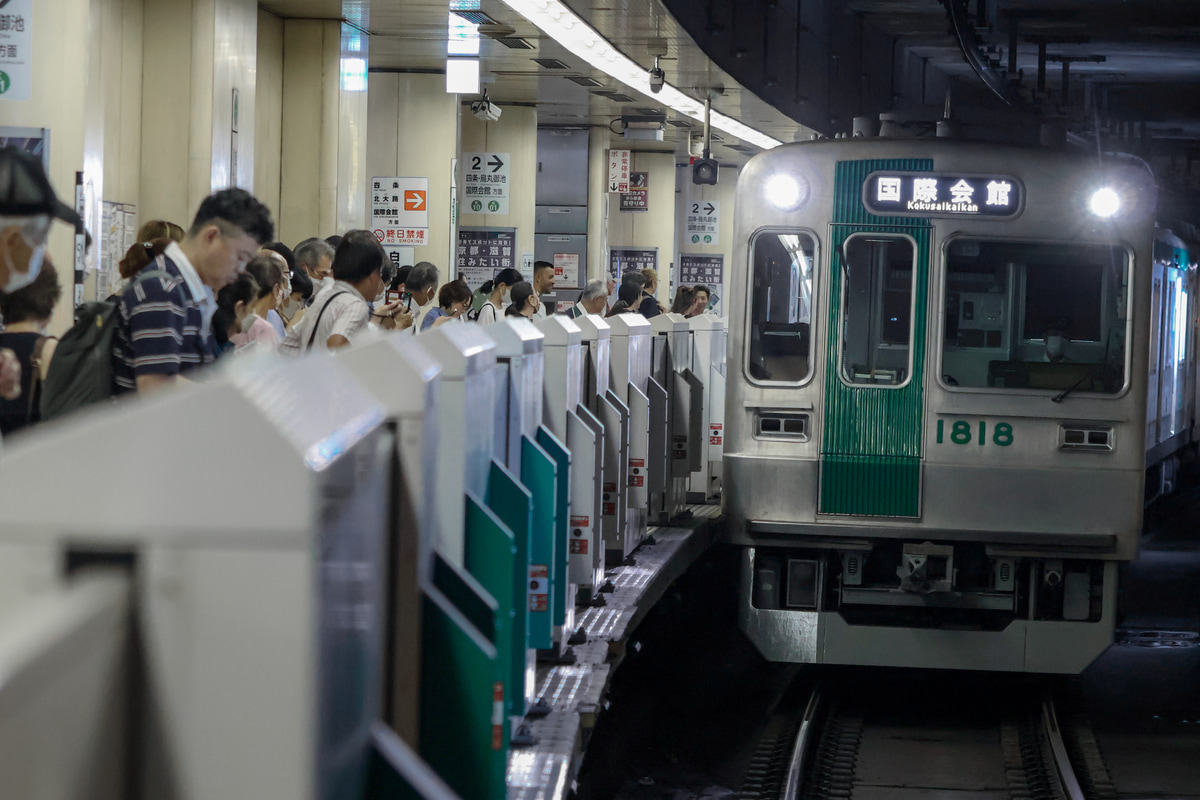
[657, 79]
[485, 109]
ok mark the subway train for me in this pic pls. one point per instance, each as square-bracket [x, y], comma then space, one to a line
[951, 367]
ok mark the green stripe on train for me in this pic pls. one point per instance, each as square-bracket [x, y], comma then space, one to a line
[871, 447]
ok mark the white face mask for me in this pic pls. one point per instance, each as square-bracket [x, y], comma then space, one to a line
[19, 280]
[289, 307]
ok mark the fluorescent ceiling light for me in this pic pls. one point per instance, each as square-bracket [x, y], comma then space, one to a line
[464, 37]
[462, 75]
[354, 74]
[565, 27]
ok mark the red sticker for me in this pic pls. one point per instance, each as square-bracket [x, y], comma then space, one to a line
[579, 547]
[580, 522]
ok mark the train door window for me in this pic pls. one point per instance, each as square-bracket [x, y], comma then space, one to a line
[781, 293]
[1024, 315]
[877, 297]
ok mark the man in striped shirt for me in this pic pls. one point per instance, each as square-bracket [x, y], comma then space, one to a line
[164, 330]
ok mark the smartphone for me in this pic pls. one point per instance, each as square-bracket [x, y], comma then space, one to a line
[391, 295]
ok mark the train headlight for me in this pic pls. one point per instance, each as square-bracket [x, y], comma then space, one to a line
[1104, 202]
[785, 192]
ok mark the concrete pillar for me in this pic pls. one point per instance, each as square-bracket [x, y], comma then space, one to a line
[514, 133]
[324, 130]
[654, 227]
[413, 131]
[598, 208]
[722, 193]
[268, 110]
[189, 77]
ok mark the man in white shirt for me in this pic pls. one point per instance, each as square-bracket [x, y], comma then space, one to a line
[339, 313]
[543, 283]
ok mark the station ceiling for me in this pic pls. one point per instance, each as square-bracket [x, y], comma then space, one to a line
[794, 67]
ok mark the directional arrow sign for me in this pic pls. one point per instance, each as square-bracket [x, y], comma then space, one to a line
[495, 163]
[485, 182]
[709, 209]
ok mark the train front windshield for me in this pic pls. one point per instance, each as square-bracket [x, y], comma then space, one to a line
[1025, 315]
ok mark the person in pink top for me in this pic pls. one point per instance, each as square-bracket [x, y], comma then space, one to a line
[268, 274]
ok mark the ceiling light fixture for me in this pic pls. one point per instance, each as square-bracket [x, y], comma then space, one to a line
[565, 27]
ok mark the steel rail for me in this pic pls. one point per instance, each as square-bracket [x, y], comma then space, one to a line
[805, 739]
[1072, 789]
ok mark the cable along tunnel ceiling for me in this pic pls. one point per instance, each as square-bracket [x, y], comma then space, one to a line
[1130, 68]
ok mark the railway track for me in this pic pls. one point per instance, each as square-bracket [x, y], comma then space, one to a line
[824, 741]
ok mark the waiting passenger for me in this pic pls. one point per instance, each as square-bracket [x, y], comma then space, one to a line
[685, 301]
[28, 207]
[703, 298]
[454, 301]
[163, 327]
[268, 274]
[333, 241]
[422, 288]
[650, 307]
[286, 259]
[497, 289]
[315, 257]
[152, 239]
[524, 301]
[26, 314]
[235, 311]
[293, 307]
[592, 300]
[543, 284]
[339, 313]
[628, 297]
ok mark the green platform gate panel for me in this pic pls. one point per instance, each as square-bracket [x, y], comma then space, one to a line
[491, 558]
[561, 564]
[539, 474]
[512, 503]
[871, 452]
[462, 727]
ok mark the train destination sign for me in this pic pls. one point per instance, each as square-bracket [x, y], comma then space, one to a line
[922, 194]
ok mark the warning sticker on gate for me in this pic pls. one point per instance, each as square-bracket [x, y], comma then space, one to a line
[715, 433]
[539, 587]
[581, 522]
[579, 547]
[637, 472]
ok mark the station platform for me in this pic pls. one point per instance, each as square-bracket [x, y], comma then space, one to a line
[576, 692]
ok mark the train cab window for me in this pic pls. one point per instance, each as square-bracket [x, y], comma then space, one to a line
[877, 294]
[780, 343]
[1025, 315]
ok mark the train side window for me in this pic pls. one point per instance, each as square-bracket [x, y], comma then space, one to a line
[781, 300]
[1032, 315]
[877, 295]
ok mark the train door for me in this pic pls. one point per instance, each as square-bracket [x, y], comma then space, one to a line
[871, 449]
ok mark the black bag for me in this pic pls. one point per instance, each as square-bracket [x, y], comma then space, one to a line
[81, 370]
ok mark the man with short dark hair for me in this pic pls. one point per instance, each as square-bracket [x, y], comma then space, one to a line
[340, 312]
[543, 283]
[163, 329]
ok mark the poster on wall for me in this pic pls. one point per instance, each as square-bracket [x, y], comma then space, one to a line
[485, 182]
[638, 196]
[16, 49]
[566, 269]
[703, 270]
[118, 232]
[627, 259]
[400, 211]
[482, 252]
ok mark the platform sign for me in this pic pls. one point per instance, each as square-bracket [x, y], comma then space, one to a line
[485, 183]
[483, 252]
[703, 222]
[618, 171]
[16, 49]
[638, 196]
[400, 211]
[922, 194]
[628, 259]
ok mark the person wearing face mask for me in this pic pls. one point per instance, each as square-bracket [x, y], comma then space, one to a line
[340, 313]
[294, 305]
[422, 286]
[287, 261]
[454, 300]
[163, 330]
[235, 311]
[268, 274]
[315, 257]
[28, 207]
[497, 290]
[26, 314]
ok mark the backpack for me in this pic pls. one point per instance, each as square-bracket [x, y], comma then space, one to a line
[81, 371]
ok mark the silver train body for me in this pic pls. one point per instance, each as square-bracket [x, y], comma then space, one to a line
[937, 406]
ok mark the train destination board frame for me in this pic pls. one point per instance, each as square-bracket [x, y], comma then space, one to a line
[927, 194]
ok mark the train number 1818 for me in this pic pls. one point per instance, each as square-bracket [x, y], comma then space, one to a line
[964, 432]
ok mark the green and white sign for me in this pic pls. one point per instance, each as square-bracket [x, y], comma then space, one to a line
[485, 182]
[16, 49]
[703, 221]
